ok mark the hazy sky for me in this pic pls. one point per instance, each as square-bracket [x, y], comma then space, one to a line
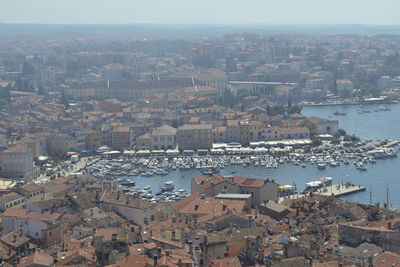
[201, 11]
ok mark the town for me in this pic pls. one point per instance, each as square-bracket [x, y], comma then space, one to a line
[83, 120]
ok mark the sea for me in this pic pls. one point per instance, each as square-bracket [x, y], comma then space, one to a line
[382, 179]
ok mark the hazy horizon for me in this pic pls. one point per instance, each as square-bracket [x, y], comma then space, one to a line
[206, 12]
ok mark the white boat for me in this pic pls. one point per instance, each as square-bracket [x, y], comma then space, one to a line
[167, 186]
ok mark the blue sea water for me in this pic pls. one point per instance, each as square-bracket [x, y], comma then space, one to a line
[379, 176]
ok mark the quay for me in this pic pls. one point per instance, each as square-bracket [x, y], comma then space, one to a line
[336, 190]
[339, 190]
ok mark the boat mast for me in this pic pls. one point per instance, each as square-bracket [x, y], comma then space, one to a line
[387, 196]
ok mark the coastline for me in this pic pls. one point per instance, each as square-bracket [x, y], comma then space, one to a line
[342, 103]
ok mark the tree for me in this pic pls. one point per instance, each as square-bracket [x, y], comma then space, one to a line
[316, 142]
[280, 145]
[64, 100]
[311, 127]
[335, 141]
[42, 91]
[342, 132]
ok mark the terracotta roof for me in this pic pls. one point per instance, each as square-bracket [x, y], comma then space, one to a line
[14, 240]
[36, 259]
[209, 205]
[132, 260]
[226, 262]
[10, 197]
[30, 188]
[15, 212]
[387, 259]
[17, 149]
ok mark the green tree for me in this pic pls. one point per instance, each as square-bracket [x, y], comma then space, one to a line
[316, 142]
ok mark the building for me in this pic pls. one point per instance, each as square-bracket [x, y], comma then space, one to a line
[271, 133]
[11, 200]
[219, 134]
[120, 137]
[344, 85]
[325, 126]
[195, 136]
[111, 105]
[43, 227]
[93, 139]
[17, 162]
[202, 91]
[261, 190]
[294, 133]
[164, 137]
[233, 132]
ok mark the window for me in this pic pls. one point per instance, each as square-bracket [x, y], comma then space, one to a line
[50, 233]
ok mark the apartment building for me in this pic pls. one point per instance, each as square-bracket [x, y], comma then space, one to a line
[163, 137]
[17, 162]
[195, 136]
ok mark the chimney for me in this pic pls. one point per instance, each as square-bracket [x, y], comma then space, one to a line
[251, 222]
[14, 238]
[173, 235]
[173, 219]
[256, 212]
[118, 195]
[155, 260]
[186, 219]
[297, 211]
[203, 196]
[389, 225]
[224, 207]
[190, 247]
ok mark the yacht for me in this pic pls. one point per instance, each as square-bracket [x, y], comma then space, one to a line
[167, 186]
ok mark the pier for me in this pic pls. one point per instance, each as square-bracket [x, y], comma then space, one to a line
[339, 190]
[336, 190]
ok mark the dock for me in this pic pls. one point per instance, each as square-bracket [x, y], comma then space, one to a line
[339, 190]
[336, 190]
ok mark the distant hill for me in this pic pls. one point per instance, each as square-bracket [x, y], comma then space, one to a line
[172, 31]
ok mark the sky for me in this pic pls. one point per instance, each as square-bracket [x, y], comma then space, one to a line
[372, 12]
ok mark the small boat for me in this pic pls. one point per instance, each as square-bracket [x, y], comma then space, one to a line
[167, 186]
[303, 165]
[384, 108]
[321, 165]
[127, 182]
[360, 166]
[337, 113]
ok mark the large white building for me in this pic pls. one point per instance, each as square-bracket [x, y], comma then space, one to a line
[163, 137]
[17, 162]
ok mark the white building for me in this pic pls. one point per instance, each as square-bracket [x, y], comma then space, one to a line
[17, 162]
[163, 137]
[344, 85]
[48, 76]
